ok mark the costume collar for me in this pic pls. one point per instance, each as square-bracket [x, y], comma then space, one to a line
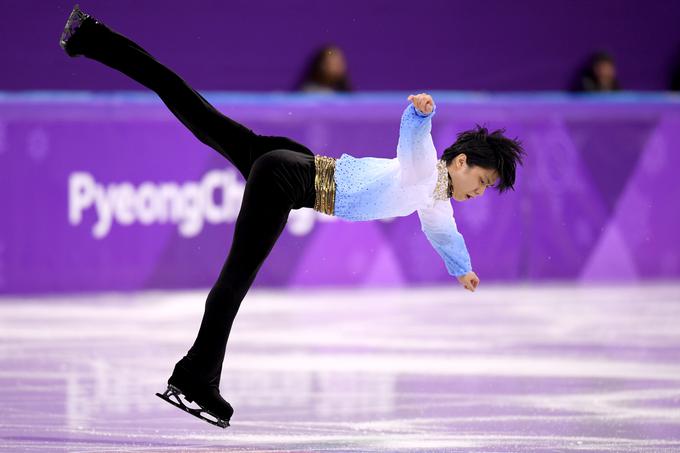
[443, 190]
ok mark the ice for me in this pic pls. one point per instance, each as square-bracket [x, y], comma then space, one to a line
[507, 368]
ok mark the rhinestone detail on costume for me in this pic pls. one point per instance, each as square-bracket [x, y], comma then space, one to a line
[324, 184]
[443, 189]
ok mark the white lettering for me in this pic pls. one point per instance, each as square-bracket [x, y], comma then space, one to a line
[104, 214]
[215, 199]
[81, 189]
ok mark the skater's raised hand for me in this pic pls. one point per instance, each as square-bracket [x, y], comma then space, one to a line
[423, 102]
[469, 281]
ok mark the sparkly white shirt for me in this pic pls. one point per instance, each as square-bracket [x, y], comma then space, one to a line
[370, 188]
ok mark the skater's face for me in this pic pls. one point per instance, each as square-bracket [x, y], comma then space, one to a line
[469, 181]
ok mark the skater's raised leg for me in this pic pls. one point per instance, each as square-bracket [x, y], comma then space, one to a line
[240, 145]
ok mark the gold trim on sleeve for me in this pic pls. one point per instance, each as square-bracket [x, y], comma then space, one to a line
[324, 184]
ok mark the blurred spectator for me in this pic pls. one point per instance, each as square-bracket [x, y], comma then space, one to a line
[326, 72]
[675, 72]
[599, 74]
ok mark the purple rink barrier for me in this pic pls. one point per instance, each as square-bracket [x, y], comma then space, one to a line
[111, 192]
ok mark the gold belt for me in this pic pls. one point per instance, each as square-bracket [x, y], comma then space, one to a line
[324, 184]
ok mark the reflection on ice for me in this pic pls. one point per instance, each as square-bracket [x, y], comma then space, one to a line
[505, 369]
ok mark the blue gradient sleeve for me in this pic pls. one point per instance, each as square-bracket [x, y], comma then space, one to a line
[415, 150]
[440, 228]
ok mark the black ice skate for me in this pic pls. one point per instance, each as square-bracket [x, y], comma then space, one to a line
[212, 407]
[74, 22]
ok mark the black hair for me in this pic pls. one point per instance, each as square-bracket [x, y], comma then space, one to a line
[488, 150]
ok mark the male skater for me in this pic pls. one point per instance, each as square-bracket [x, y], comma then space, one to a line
[282, 174]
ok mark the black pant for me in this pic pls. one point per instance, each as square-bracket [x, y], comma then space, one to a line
[279, 176]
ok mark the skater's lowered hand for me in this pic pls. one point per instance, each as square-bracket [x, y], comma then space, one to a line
[469, 281]
[423, 102]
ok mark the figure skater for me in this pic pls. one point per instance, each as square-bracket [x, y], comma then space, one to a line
[282, 174]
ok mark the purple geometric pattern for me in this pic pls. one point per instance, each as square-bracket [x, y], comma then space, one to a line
[595, 201]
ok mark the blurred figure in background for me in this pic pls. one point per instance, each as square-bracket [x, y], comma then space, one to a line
[599, 74]
[326, 72]
[675, 71]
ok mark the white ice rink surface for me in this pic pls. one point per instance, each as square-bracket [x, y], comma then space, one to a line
[507, 368]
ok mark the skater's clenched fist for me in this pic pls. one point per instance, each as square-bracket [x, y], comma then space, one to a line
[422, 102]
[469, 281]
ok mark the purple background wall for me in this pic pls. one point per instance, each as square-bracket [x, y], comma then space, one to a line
[391, 45]
[596, 201]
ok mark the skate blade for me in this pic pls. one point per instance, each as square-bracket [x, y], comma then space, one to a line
[175, 392]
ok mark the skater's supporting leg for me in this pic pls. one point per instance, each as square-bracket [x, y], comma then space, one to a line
[262, 218]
